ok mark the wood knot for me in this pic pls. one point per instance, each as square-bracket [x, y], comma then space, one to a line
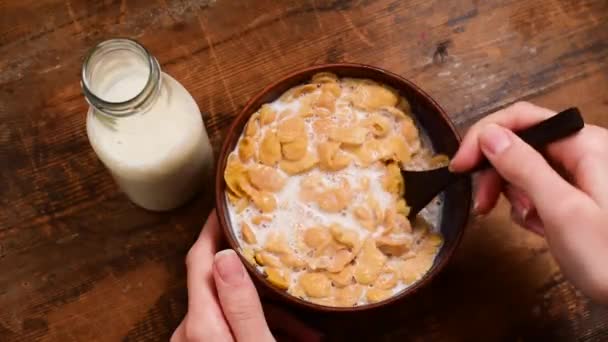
[441, 51]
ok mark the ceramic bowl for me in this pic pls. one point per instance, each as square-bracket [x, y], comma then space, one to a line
[432, 120]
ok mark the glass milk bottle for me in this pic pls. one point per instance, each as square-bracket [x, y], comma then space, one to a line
[144, 126]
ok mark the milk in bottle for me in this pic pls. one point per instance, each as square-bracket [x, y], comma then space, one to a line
[144, 126]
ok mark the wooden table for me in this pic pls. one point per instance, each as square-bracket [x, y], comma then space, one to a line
[78, 262]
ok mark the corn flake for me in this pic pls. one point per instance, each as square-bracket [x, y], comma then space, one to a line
[375, 295]
[278, 277]
[316, 237]
[392, 181]
[369, 263]
[264, 258]
[265, 201]
[234, 175]
[266, 178]
[331, 158]
[348, 135]
[348, 295]
[342, 278]
[324, 77]
[290, 129]
[296, 149]
[372, 96]
[259, 219]
[270, 149]
[294, 167]
[379, 125]
[267, 115]
[315, 284]
[246, 148]
[386, 280]
[248, 234]
[292, 261]
[276, 243]
[336, 199]
[252, 129]
[346, 237]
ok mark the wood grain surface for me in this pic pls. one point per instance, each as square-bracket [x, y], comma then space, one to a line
[78, 262]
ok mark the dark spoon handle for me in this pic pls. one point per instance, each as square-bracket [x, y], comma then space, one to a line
[552, 129]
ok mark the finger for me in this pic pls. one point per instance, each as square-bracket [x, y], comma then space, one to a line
[292, 328]
[519, 164]
[239, 299]
[178, 334]
[518, 116]
[585, 156]
[205, 320]
[489, 185]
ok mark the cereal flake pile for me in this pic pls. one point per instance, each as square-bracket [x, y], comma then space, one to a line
[315, 193]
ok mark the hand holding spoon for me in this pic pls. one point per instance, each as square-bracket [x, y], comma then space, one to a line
[422, 186]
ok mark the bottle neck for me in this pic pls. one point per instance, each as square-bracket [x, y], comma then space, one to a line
[120, 77]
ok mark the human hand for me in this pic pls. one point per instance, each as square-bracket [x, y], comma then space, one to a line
[223, 304]
[571, 213]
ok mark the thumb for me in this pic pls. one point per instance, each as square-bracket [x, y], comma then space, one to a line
[519, 164]
[239, 299]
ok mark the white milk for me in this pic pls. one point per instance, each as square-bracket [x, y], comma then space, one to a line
[160, 155]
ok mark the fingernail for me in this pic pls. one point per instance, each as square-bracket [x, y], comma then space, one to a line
[527, 221]
[451, 166]
[451, 162]
[520, 214]
[521, 211]
[229, 267]
[516, 217]
[476, 209]
[494, 139]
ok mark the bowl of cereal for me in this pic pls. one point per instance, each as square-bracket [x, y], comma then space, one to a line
[309, 193]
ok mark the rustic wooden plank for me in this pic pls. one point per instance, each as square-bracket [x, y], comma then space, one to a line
[245, 76]
[72, 247]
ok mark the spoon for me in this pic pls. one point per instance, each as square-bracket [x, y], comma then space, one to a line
[422, 186]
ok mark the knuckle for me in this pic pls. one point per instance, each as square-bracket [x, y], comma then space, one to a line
[518, 161]
[568, 207]
[242, 311]
[483, 122]
[193, 332]
[596, 139]
[523, 167]
[521, 105]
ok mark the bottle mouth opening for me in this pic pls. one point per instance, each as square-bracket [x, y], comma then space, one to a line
[119, 77]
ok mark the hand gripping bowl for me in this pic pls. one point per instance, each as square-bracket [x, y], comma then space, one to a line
[431, 120]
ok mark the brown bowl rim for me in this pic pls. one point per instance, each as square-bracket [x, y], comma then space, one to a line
[221, 205]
